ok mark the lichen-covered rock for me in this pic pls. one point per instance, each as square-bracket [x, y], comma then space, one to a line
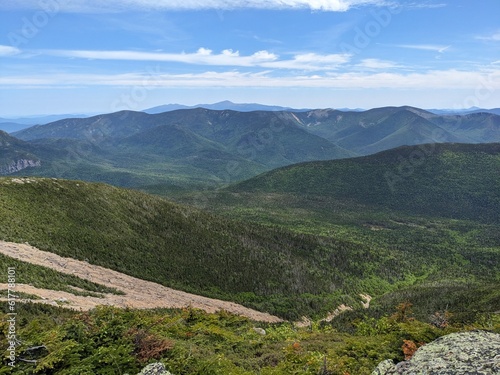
[154, 369]
[472, 353]
[385, 367]
[260, 331]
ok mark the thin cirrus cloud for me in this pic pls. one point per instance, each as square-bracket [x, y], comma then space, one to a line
[438, 79]
[123, 5]
[311, 61]
[425, 5]
[228, 57]
[203, 56]
[495, 37]
[8, 50]
[424, 47]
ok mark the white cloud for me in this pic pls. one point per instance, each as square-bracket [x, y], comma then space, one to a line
[495, 37]
[203, 56]
[8, 50]
[311, 61]
[229, 52]
[265, 56]
[121, 5]
[204, 52]
[437, 79]
[377, 64]
[228, 57]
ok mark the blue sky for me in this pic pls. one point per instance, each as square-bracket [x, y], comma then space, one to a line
[90, 56]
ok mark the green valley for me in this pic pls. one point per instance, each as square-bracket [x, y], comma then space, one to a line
[427, 212]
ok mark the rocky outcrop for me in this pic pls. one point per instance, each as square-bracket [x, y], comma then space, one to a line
[154, 369]
[19, 165]
[475, 352]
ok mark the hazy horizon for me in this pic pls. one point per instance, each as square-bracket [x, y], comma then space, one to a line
[61, 113]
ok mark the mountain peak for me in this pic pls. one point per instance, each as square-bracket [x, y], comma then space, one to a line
[223, 102]
[224, 105]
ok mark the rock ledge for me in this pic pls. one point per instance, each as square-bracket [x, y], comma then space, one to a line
[472, 353]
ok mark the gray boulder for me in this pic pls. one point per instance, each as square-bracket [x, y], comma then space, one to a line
[154, 369]
[385, 367]
[471, 353]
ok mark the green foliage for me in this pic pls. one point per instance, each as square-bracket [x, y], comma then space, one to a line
[108, 340]
[274, 269]
[305, 257]
[465, 301]
[440, 180]
[434, 240]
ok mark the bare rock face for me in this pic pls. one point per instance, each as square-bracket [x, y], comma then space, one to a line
[19, 165]
[471, 353]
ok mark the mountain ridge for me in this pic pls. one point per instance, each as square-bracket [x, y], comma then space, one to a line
[225, 146]
[234, 145]
[221, 106]
[334, 125]
[455, 180]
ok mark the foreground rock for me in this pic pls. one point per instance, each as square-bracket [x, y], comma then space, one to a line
[474, 353]
[154, 369]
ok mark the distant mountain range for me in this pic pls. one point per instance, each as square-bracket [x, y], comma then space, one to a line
[11, 127]
[135, 148]
[42, 119]
[384, 128]
[192, 146]
[224, 105]
[248, 107]
[13, 124]
[467, 111]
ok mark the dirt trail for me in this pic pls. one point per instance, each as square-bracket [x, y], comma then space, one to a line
[138, 293]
